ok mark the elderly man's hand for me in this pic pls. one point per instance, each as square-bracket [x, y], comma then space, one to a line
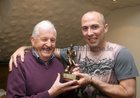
[58, 87]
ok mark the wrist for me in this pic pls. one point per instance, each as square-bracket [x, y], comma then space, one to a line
[51, 93]
[27, 48]
[91, 79]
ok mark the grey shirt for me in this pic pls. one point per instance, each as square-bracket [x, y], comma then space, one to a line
[114, 63]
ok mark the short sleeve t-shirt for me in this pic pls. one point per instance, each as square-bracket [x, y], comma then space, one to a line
[112, 64]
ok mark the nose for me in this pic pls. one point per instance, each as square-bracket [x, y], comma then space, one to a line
[48, 43]
[90, 32]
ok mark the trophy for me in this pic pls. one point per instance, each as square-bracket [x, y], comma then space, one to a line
[71, 54]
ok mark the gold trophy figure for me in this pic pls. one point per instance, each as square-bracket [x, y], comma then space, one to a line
[71, 54]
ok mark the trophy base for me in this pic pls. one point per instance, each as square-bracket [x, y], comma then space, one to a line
[68, 77]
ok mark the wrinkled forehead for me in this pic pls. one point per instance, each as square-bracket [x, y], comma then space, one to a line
[47, 32]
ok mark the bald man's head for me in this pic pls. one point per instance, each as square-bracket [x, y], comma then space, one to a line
[93, 15]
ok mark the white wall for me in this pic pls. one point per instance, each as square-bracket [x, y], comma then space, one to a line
[125, 30]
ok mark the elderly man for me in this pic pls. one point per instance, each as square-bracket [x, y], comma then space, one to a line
[39, 75]
[106, 70]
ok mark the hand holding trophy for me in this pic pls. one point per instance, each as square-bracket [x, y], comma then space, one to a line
[71, 54]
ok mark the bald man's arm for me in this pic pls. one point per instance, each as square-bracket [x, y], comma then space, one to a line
[57, 53]
[19, 52]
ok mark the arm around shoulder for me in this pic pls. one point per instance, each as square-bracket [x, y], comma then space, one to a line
[19, 52]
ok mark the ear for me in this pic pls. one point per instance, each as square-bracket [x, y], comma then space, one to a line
[106, 28]
[32, 40]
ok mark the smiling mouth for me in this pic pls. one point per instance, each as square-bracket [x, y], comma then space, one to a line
[92, 39]
[48, 49]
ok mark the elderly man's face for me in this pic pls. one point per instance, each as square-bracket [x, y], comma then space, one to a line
[44, 43]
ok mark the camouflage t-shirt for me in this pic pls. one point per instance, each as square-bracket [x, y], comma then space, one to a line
[111, 65]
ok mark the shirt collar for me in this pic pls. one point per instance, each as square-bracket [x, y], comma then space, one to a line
[36, 55]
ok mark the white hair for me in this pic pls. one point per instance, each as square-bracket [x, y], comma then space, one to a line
[45, 24]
